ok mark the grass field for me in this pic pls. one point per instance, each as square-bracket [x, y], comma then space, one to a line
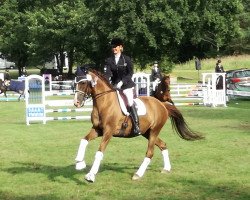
[37, 161]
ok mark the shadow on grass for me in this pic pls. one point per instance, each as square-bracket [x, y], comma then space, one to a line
[52, 172]
[69, 172]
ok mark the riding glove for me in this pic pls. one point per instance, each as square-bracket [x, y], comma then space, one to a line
[119, 85]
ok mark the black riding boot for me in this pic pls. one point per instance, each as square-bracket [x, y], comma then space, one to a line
[135, 120]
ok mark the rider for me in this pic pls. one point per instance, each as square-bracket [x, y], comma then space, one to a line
[119, 70]
[156, 75]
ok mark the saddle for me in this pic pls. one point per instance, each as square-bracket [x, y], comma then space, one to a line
[140, 106]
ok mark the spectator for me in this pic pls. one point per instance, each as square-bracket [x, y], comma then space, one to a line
[218, 67]
[7, 75]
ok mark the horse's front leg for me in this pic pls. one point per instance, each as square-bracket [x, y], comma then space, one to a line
[98, 158]
[80, 162]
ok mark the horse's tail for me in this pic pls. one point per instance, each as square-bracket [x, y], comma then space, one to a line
[179, 124]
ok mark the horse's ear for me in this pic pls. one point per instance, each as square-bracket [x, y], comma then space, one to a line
[81, 71]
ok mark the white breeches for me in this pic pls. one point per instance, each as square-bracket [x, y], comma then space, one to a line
[155, 83]
[129, 93]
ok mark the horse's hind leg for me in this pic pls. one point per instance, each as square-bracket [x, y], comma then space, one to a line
[164, 151]
[80, 162]
[19, 97]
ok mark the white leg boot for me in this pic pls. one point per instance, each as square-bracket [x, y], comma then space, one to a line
[140, 172]
[166, 160]
[80, 163]
[95, 167]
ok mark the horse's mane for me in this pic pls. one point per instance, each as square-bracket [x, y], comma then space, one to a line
[102, 77]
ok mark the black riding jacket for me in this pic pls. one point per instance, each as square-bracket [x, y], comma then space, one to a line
[155, 74]
[122, 71]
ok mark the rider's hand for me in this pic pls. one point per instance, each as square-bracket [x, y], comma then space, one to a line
[119, 85]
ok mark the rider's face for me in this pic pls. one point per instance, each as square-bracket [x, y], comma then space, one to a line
[117, 49]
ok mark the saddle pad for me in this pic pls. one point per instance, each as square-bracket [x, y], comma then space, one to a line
[141, 109]
[140, 106]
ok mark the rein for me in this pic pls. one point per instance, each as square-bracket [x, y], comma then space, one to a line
[103, 93]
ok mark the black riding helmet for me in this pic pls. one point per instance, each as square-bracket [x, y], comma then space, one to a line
[116, 42]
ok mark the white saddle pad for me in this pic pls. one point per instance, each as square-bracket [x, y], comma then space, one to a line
[140, 106]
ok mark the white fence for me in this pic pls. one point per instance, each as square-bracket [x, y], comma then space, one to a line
[40, 104]
[213, 96]
[186, 94]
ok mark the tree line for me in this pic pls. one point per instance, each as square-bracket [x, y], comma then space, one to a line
[33, 32]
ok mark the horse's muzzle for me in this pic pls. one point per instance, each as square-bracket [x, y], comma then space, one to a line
[77, 104]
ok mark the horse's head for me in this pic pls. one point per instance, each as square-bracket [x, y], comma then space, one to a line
[165, 83]
[84, 83]
[89, 83]
[7, 83]
[163, 90]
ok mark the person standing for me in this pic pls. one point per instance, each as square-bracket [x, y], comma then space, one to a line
[218, 67]
[156, 75]
[119, 70]
[7, 75]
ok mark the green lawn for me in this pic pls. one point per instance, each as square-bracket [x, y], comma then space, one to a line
[37, 161]
[186, 72]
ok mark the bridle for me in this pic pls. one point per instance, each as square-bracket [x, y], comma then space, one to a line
[93, 83]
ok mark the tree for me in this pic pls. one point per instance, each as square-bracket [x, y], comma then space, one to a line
[241, 44]
[164, 30]
[209, 27]
[58, 28]
[14, 34]
[34, 31]
[150, 30]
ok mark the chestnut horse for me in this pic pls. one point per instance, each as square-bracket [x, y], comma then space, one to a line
[108, 120]
[162, 91]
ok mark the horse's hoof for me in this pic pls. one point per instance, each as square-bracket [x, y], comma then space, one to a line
[80, 165]
[136, 177]
[90, 177]
[164, 171]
